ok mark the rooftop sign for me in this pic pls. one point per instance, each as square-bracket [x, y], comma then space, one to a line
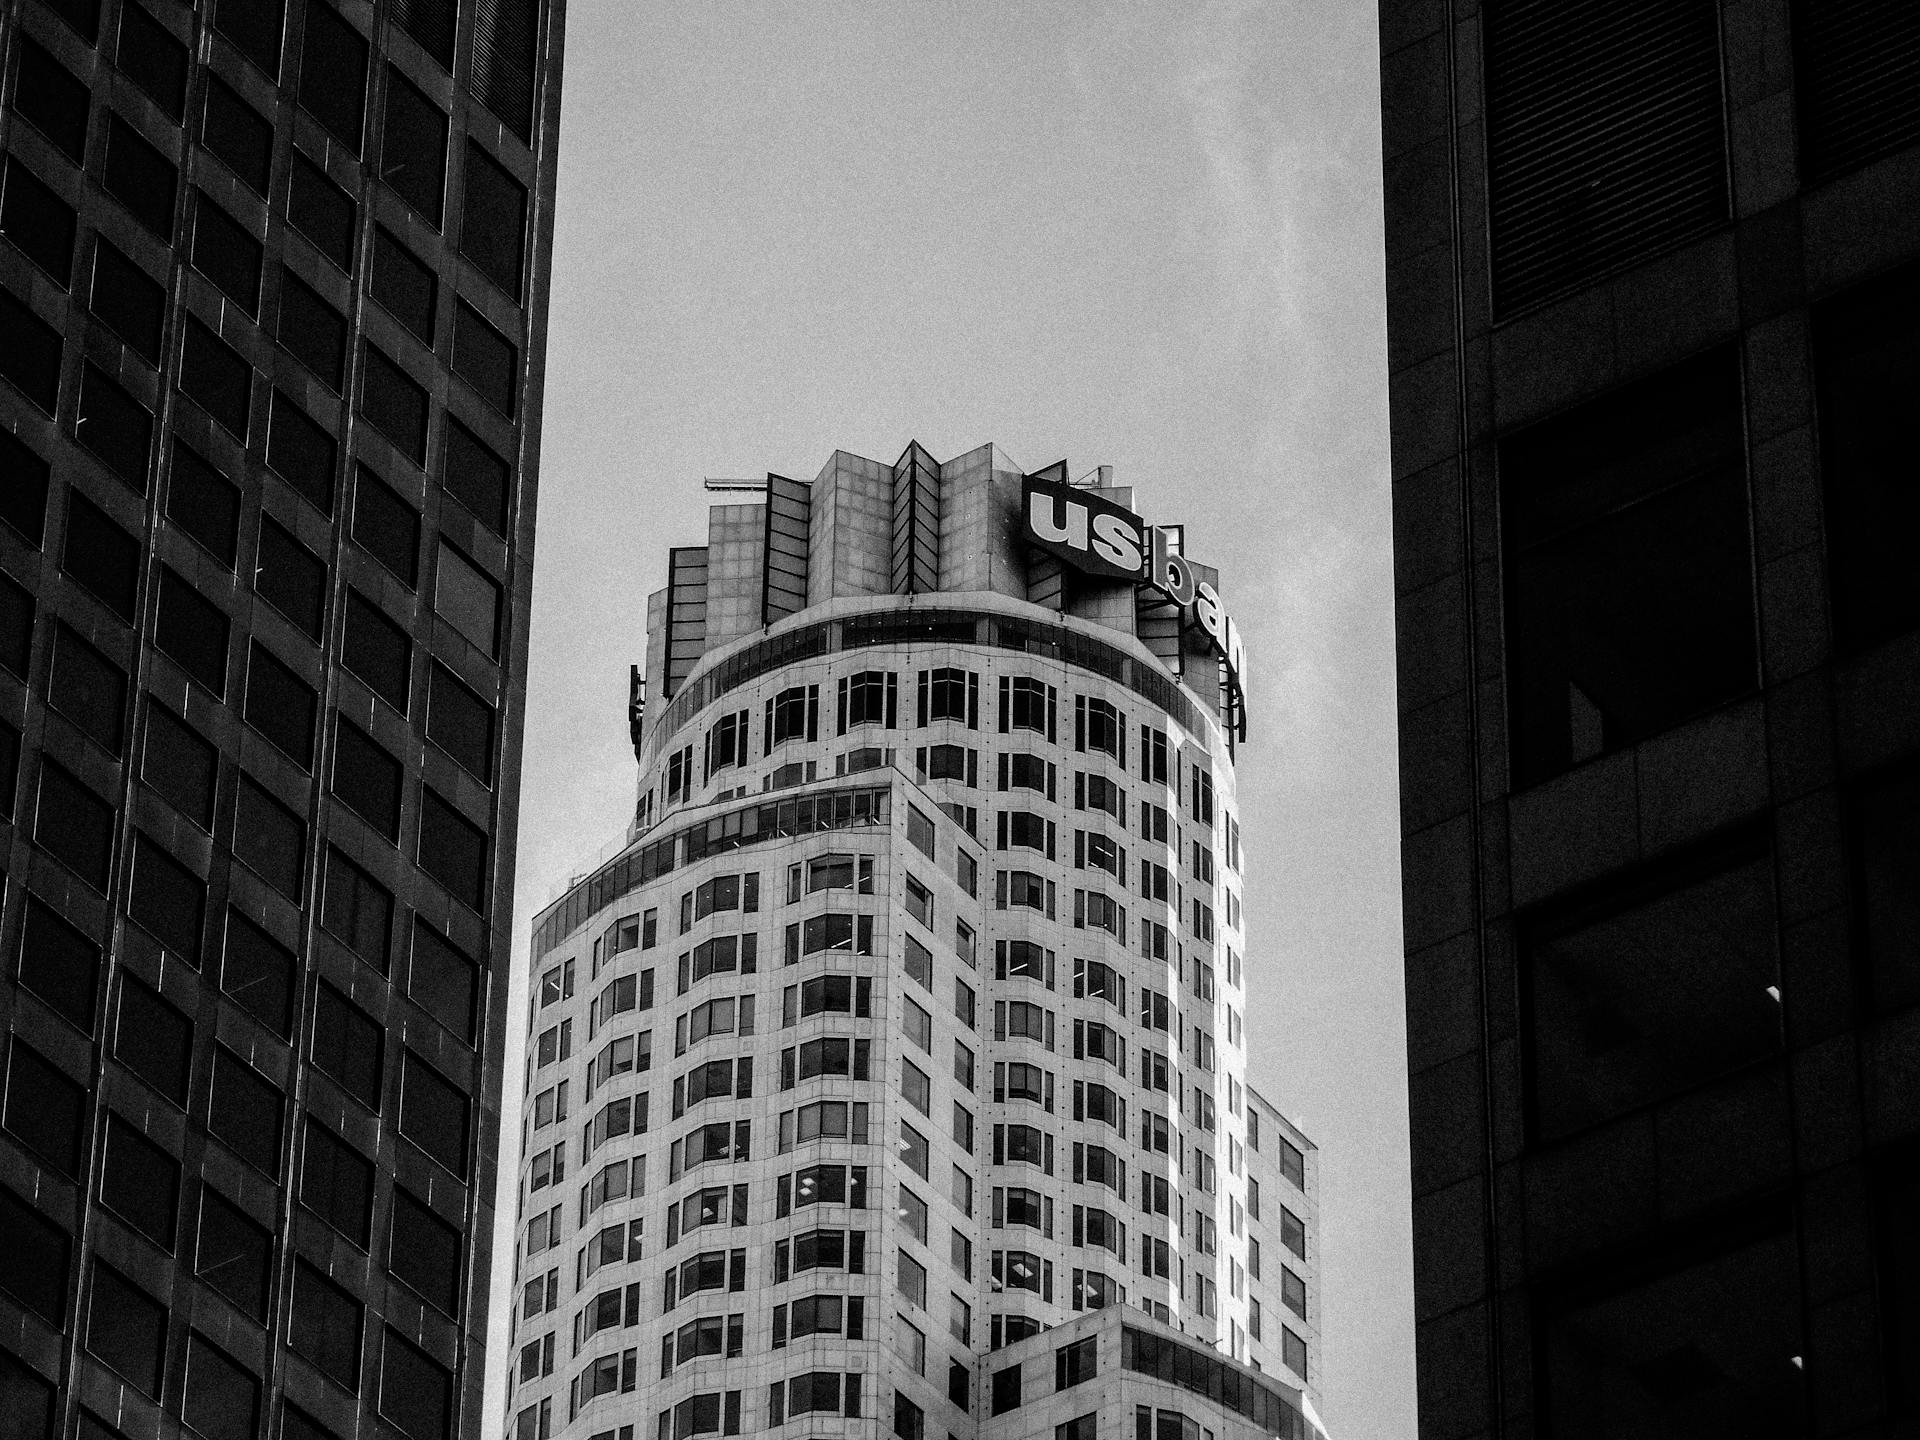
[1099, 537]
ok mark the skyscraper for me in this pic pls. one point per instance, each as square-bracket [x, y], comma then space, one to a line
[1653, 294]
[271, 316]
[895, 1069]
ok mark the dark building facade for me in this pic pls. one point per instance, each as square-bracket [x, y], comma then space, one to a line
[1653, 282]
[272, 316]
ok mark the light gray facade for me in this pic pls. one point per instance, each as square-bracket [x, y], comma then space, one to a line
[907, 1032]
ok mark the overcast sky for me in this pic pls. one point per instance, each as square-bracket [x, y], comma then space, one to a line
[1140, 235]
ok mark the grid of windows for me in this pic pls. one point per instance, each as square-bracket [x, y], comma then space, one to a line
[218, 541]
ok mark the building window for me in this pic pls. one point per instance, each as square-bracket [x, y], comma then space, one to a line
[233, 130]
[1076, 1364]
[348, 1045]
[131, 302]
[416, 1391]
[333, 74]
[467, 598]
[475, 476]
[233, 1253]
[386, 527]
[291, 578]
[366, 777]
[60, 964]
[140, 178]
[1866, 356]
[223, 251]
[45, 1111]
[270, 840]
[1606, 1028]
[394, 402]
[244, 1109]
[413, 148]
[100, 556]
[441, 980]
[377, 650]
[325, 1325]
[1006, 1390]
[1629, 579]
[52, 100]
[193, 631]
[404, 285]
[433, 1114]
[322, 211]
[312, 331]
[140, 1183]
[257, 971]
[166, 899]
[279, 704]
[126, 1328]
[41, 224]
[153, 1039]
[493, 219]
[1293, 1292]
[220, 1399]
[485, 359]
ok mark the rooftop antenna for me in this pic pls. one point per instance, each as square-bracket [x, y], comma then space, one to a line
[1098, 478]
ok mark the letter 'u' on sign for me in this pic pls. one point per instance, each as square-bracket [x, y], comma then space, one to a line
[1057, 518]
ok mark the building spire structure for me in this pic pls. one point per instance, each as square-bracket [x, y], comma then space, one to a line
[892, 1078]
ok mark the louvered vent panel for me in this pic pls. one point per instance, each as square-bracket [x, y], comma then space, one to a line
[506, 35]
[1857, 81]
[432, 23]
[1605, 139]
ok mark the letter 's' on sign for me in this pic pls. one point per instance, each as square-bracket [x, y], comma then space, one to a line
[1090, 533]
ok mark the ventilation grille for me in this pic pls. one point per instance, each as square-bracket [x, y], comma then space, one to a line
[1858, 81]
[1605, 139]
[506, 36]
[432, 23]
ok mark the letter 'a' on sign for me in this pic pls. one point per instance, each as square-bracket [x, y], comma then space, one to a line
[1087, 531]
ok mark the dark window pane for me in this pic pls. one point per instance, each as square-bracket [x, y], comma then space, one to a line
[475, 476]
[204, 503]
[377, 650]
[140, 1182]
[347, 1044]
[254, 27]
[485, 359]
[100, 555]
[74, 825]
[296, 1424]
[126, 1328]
[453, 850]
[291, 578]
[386, 527]
[129, 301]
[1630, 584]
[280, 705]
[431, 22]
[140, 178]
[16, 627]
[424, 1251]
[244, 1110]
[333, 73]
[1610, 1026]
[115, 427]
[153, 1040]
[367, 778]
[1685, 1344]
[325, 1325]
[59, 964]
[302, 453]
[46, 1111]
[26, 1400]
[237, 133]
[52, 100]
[493, 220]
[358, 910]
[167, 899]
[1883, 817]
[31, 357]
[270, 840]
[322, 211]
[433, 1114]
[193, 630]
[150, 56]
[33, 1269]
[413, 147]
[180, 764]
[216, 376]
[38, 221]
[395, 402]
[1867, 357]
[312, 331]
[461, 723]
[336, 1183]
[226, 254]
[234, 1254]
[24, 478]
[416, 1391]
[468, 599]
[9, 767]
[441, 980]
[258, 972]
[403, 284]
[221, 1399]
[89, 689]
[506, 36]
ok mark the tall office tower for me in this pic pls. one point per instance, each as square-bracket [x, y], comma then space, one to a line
[895, 1070]
[1654, 320]
[271, 316]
